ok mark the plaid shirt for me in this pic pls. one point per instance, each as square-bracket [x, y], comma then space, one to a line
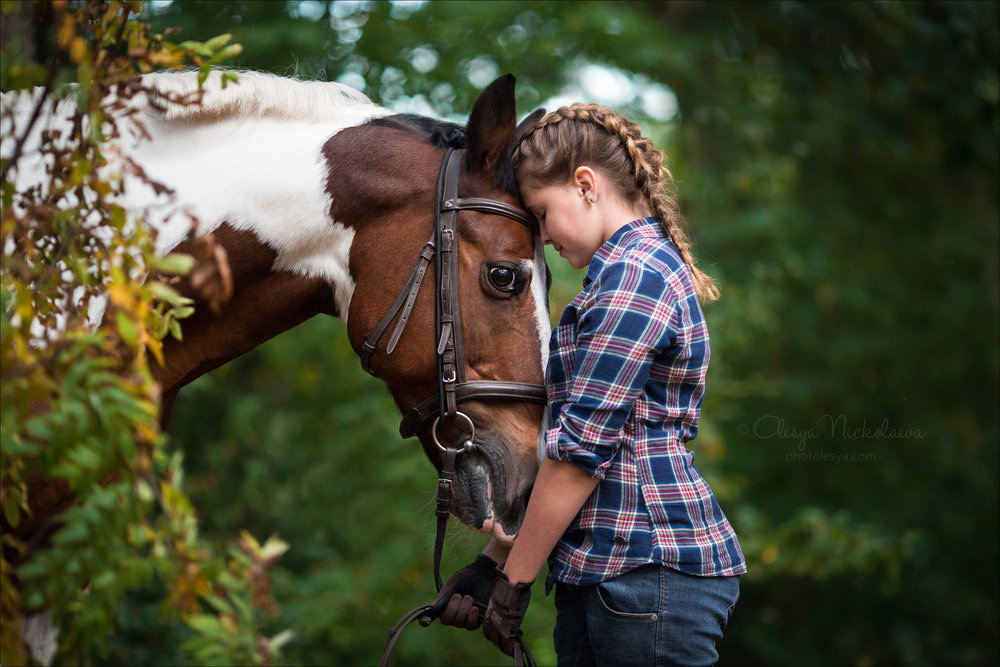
[626, 377]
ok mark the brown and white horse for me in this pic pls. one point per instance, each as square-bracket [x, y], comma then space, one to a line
[322, 202]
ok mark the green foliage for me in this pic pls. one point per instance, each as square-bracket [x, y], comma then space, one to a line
[308, 443]
[80, 410]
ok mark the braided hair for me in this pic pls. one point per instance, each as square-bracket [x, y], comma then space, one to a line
[593, 135]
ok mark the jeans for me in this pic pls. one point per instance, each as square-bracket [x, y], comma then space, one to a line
[652, 615]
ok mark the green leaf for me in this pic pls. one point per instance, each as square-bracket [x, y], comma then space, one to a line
[181, 312]
[174, 263]
[280, 639]
[72, 533]
[218, 603]
[230, 51]
[168, 294]
[175, 329]
[218, 42]
[198, 47]
[127, 329]
[12, 509]
[85, 457]
[206, 624]
[40, 427]
[273, 548]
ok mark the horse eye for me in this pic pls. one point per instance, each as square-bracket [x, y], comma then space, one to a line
[502, 278]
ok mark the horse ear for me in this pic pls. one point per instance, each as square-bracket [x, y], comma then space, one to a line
[527, 124]
[490, 132]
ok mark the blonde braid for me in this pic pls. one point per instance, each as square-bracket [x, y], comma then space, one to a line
[554, 148]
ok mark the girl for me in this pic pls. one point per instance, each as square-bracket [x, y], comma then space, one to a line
[644, 561]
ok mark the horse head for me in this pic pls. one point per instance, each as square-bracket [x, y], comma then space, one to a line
[501, 333]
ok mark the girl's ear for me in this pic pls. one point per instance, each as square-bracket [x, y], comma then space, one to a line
[585, 181]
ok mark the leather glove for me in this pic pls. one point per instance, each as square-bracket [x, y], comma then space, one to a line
[463, 598]
[504, 614]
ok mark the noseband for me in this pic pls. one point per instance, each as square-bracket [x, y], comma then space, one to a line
[453, 387]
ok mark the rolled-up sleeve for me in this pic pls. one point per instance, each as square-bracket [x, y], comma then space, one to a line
[626, 320]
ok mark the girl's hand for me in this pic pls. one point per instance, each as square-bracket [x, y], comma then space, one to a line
[463, 598]
[506, 609]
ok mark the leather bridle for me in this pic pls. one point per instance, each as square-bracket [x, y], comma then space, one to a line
[453, 386]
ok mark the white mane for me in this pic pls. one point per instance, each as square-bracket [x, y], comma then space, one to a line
[256, 95]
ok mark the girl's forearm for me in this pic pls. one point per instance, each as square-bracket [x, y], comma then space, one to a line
[560, 490]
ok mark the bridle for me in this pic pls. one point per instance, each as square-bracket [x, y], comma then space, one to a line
[453, 387]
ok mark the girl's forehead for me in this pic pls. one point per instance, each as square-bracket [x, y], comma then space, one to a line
[534, 194]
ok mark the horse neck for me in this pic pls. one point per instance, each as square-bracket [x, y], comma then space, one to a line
[259, 188]
[264, 303]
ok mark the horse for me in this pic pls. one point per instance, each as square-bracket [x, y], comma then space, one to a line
[320, 202]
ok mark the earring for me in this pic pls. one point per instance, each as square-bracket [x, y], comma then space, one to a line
[591, 199]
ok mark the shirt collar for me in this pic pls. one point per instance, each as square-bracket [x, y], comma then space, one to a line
[625, 233]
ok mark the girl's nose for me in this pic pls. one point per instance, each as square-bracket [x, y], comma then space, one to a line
[546, 239]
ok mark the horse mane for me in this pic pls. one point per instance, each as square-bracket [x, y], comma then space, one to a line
[439, 133]
[444, 134]
[255, 95]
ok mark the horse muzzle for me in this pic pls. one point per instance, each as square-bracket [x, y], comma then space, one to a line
[491, 491]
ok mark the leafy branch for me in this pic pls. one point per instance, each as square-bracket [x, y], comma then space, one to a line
[79, 405]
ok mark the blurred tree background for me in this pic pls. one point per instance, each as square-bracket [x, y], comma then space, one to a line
[838, 164]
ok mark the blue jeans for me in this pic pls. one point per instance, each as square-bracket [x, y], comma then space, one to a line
[652, 615]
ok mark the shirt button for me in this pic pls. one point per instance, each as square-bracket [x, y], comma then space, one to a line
[620, 540]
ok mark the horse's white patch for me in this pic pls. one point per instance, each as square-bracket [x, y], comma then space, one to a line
[266, 176]
[250, 156]
[539, 292]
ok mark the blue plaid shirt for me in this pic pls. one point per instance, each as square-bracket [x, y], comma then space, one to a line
[626, 378]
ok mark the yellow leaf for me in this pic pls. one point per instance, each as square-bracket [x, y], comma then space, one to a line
[120, 295]
[156, 347]
[78, 49]
[66, 31]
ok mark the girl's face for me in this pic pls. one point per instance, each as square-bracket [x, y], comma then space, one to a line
[566, 220]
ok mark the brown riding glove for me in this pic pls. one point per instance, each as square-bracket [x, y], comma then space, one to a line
[502, 624]
[463, 598]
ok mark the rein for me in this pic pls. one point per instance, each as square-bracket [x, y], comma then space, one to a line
[453, 388]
